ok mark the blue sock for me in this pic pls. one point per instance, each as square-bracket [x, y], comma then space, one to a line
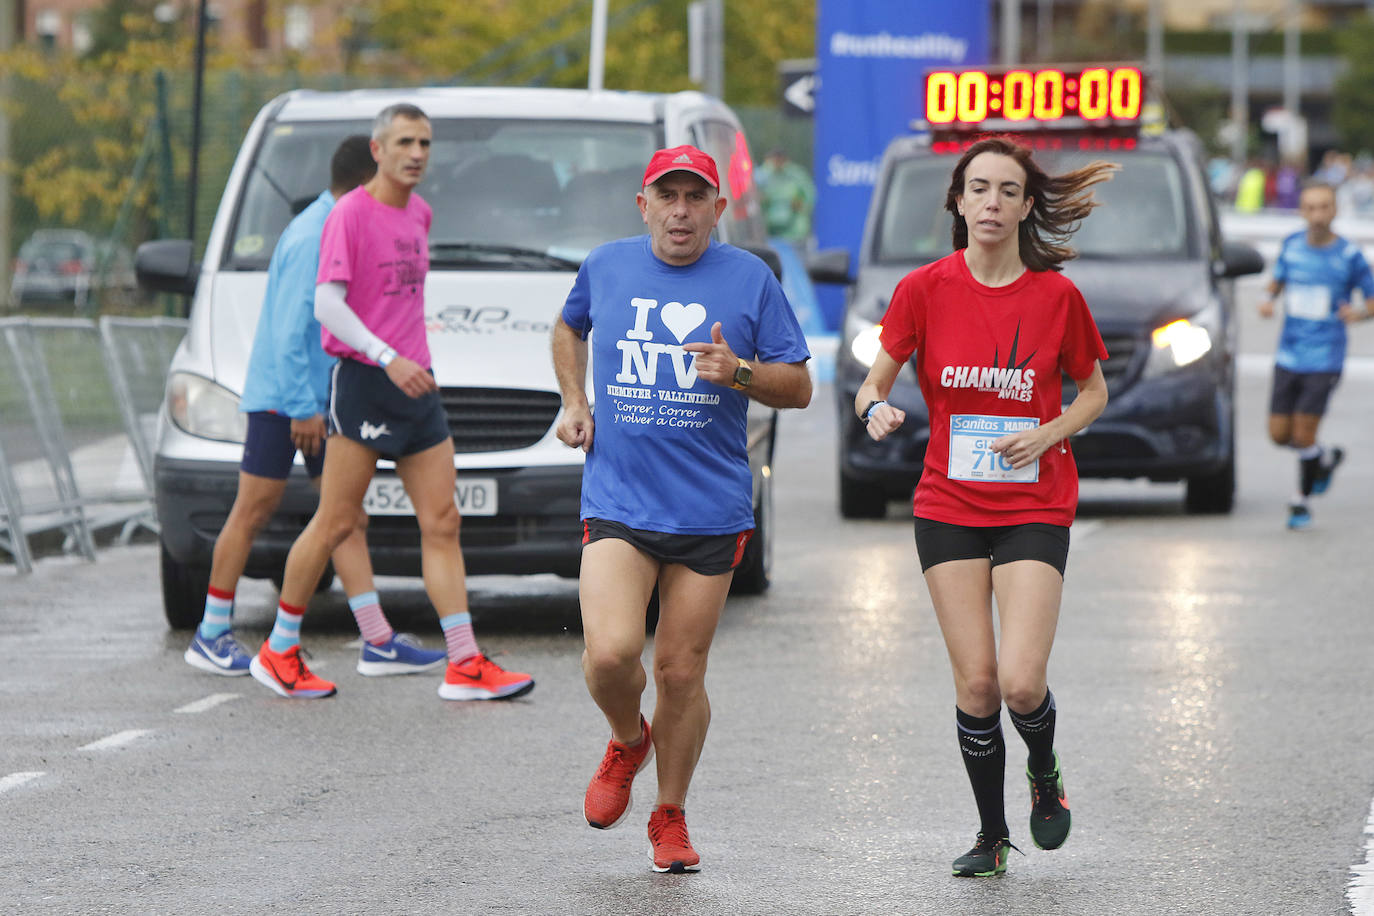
[219, 610]
[286, 632]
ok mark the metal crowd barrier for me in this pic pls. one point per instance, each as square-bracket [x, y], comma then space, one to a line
[78, 414]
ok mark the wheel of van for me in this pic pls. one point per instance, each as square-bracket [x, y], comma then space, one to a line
[861, 498]
[752, 574]
[326, 579]
[183, 591]
[1213, 493]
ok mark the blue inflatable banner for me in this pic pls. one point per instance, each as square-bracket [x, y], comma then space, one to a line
[872, 56]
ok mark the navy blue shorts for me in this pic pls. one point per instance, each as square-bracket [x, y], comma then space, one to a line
[367, 407]
[268, 450]
[939, 542]
[1301, 392]
[704, 554]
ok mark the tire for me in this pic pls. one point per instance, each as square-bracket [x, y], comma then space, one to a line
[1212, 494]
[755, 568]
[183, 591]
[326, 579]
[861, 499]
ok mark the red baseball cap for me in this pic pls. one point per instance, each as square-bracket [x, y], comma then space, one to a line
[681, 159]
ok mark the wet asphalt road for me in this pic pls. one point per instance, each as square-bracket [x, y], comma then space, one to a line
[1213, 676]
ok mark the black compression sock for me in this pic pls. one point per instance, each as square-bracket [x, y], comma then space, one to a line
[1309, 469]
[985, 759]
[1037, 730]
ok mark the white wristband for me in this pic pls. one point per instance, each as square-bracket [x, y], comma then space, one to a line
[386, 356]
[868, 414]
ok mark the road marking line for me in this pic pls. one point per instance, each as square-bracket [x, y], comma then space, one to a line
[118, 739]
[209, 702]
[1360, 893]
[15, 780]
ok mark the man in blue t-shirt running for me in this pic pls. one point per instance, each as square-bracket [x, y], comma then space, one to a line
[687, 331]
[1316, 271]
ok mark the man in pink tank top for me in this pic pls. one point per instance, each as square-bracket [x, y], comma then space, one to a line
[383, 403]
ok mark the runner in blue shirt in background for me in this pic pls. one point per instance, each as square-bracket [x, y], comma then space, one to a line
[1316, 272]
[285, 396]
[686, 332]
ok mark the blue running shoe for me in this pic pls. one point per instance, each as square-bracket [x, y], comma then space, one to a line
[222, 655]
[1299, 517]
[402, 655]
[1328, 468]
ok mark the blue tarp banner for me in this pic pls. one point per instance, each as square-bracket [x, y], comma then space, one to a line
[872, 56]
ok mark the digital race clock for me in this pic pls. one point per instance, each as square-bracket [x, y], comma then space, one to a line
[1030, 97]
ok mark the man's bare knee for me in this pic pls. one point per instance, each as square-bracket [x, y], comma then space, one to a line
[445, 523]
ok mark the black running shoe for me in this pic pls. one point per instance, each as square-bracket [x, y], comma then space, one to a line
[1327, 468]
[987, 858]
[1049, 817]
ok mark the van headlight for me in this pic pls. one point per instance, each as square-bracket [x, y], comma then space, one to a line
[1177, 344]
[863, 339]
[200, 407]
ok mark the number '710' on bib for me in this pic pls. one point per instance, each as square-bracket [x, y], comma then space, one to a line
[970, 449]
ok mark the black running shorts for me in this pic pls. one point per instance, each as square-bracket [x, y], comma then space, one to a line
[939, 542]
[705, 554]
[366, 406]
[1301, 392]
[268, 450]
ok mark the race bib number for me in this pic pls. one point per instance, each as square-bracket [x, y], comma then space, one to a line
[970, 449]
[1310, 302]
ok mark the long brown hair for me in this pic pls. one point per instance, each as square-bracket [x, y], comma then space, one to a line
[1059, 203]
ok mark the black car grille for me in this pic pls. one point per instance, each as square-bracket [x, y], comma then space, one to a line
[1120, 355]
[497, 419]
[1118, 368]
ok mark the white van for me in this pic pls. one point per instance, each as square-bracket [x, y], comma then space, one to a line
[523, 183]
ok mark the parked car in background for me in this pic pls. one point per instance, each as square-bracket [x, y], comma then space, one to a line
[61, 266]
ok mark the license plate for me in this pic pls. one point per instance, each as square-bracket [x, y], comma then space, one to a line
[387, 496]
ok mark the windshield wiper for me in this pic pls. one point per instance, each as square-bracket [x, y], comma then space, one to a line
[480, 252]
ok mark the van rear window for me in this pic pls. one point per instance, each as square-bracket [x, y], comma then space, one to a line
[497, 188]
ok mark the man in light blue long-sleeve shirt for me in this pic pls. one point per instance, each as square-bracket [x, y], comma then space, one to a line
[285, 395]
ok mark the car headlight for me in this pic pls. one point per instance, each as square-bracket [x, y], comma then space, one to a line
[1178, 344]
[863, 339]
[200, 407]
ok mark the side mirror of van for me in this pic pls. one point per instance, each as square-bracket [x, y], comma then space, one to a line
[167, 266]
[1238, 259]
[829, 265]
[767, 255]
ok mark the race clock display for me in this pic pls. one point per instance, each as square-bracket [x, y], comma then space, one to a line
[1044, 97]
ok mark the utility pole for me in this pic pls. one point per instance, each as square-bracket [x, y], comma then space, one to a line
[706, 45]
[9, 15]
[1011, 32]
[596, 69]
[1240, 83]
[1292, 74]
[1154, 44]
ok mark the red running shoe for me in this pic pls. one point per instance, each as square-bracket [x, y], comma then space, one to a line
[480, 678]
[285, 674]
[673, 850]
[608, 797]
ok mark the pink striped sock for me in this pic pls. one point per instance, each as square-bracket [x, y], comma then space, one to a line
[372, 623]
[459, 638]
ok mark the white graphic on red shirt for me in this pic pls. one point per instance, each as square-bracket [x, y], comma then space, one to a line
[1009, 384]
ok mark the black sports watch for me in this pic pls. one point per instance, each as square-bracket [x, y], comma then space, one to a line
[869, 409]
[743, 375]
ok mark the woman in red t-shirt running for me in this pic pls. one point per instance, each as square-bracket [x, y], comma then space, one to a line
[993, 327]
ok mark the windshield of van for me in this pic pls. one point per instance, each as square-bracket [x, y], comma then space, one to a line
[506, 194]
[1143, 212]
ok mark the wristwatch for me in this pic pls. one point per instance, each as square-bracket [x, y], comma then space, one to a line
[743, 376]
